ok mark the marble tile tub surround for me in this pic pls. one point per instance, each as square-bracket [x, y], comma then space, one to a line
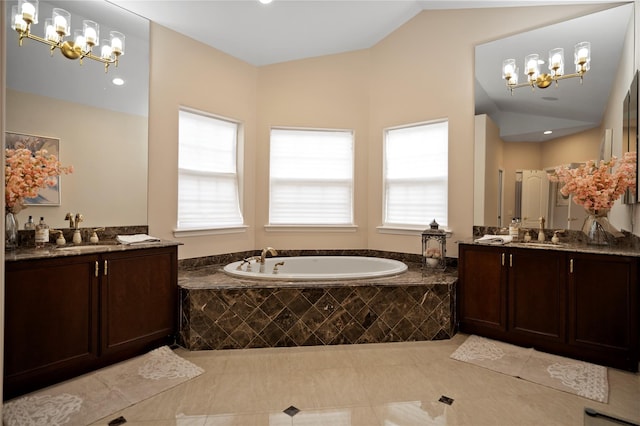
[224, 259]
[221, 312]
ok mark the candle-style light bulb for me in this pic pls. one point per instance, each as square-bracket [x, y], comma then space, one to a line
[556, 61]
[50, 33]
[91, 31]
[582, 56]
[117, 43]
[29, 10]
[17, 23]
[61, 22]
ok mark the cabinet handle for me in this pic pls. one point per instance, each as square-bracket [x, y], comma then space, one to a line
[510, 260]
[105, 268]
[502, 259]
[571, 266]
[97, 267]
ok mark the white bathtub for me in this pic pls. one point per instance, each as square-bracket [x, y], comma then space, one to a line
[318, 268]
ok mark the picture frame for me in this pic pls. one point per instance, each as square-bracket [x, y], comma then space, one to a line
[49, 196]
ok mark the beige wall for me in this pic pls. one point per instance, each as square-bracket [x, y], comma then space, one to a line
[422, 71]
[325, 92]
[109, 182]
[488, 161]
[580, 147]
[187, 73]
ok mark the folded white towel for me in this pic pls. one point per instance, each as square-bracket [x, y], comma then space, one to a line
[494, 239]
[136, 239]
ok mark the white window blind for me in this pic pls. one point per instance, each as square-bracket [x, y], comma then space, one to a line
[415, 174]
[207, 172]
[311, 177]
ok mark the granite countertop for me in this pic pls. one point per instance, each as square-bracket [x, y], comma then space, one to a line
[107, 246]
[573, 247]
[212, 276]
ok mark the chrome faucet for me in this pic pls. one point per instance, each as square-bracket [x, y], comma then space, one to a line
[269, 250]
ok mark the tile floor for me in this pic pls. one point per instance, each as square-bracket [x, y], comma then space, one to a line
[391, 384]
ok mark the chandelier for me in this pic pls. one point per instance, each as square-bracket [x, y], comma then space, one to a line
[582, 61]
[56, 28]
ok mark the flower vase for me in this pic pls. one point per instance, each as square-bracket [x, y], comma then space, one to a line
[598, 229]
[11, 231]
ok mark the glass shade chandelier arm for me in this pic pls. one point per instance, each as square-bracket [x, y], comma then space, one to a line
[58, 27]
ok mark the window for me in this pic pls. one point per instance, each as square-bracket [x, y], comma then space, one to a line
[311, 177]
[207, 172]
[415, 174]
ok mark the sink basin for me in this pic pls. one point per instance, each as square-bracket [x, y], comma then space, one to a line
[92, 247]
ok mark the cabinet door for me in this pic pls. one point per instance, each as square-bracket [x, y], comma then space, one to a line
[537, 296]
[51, 321]
[139, 301]
[603, 316]
[482, 290]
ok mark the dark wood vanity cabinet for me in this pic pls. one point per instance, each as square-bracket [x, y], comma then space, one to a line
[51, 314]
[603, 308]
[537, 296]
[69, 315]
[139, 300]
[575, 304]
[482, 301]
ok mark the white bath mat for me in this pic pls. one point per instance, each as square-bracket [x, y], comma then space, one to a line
[91, 397]
[565, 374]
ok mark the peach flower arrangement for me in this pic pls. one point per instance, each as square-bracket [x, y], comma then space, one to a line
[594, 185]
[26, 173]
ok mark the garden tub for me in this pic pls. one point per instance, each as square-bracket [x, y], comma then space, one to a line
[316, 268]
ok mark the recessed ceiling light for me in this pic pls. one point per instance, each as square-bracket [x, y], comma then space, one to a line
[118, 81]
[547, 132]
[265, 1]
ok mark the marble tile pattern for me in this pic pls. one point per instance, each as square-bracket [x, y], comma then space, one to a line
[226, 258]
[221, 312]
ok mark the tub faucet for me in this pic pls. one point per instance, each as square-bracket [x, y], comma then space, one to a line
[268, 250]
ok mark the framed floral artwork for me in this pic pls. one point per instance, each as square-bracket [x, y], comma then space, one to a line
[50, 195]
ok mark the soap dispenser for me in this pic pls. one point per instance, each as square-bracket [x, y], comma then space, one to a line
[77, 237]
[94, 236]
[60, 239]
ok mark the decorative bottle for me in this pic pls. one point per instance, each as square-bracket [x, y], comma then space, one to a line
[42, 233]
[514, 228]
[30, 225]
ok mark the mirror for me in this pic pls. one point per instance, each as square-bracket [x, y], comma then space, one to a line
[102, 128]
[510, 126]
[630, 138]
